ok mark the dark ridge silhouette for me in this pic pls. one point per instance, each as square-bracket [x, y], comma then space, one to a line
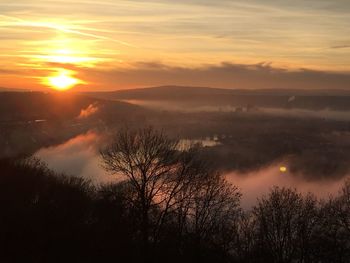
[28, 106]
[204, 96]
[31, 120]
[2, 89]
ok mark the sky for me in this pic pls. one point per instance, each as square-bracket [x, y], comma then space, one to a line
[117, 44]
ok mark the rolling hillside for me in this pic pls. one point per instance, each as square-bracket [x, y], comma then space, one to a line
[203, 96]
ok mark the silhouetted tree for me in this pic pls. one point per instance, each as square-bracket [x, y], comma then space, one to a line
[114, 224]
[213, 206]
[333, 236]
[44, 216]
[285, 223]
[193, 213]
[245, 243]
[342, 208]
[158, 171]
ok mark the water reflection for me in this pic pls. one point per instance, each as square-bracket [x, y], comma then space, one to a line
[80, 156]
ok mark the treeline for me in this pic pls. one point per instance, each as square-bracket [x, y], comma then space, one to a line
[172, 207]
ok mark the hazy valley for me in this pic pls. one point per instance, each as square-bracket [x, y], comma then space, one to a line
[249, 137]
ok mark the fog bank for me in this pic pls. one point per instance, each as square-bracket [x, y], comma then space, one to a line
[77, 156]
[255, 184]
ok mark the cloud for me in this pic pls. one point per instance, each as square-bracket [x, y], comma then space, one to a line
[224, 75]
[192, 32]
[340, 46]
[8, 72]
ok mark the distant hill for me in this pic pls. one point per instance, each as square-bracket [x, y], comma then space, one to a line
[2, 89]
[32, 120]
[27, 106]
[204, 96]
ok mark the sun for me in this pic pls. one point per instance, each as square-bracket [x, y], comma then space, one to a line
[62, 81]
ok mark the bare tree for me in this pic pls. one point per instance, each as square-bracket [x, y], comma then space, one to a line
[245, 242]
[285, 222]
[342, 208]
[215, 205]
[210, 211]
[158, 171]
[172, 184]
[334, 230]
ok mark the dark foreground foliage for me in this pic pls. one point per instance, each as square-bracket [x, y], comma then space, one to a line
[46, 217]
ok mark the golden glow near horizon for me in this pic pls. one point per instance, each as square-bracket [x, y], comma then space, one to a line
[61, 81]
[64, 56]
[116, 43]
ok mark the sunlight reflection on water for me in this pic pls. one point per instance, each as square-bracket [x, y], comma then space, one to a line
[79, 156]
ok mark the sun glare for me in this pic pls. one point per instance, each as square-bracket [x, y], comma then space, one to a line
[62, 81]
[60, 54]
[67, 56]
[283, 169]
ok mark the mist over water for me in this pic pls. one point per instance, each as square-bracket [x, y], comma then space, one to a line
[79, 156]
[255, 184]
[327, 114]
[322, 114]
